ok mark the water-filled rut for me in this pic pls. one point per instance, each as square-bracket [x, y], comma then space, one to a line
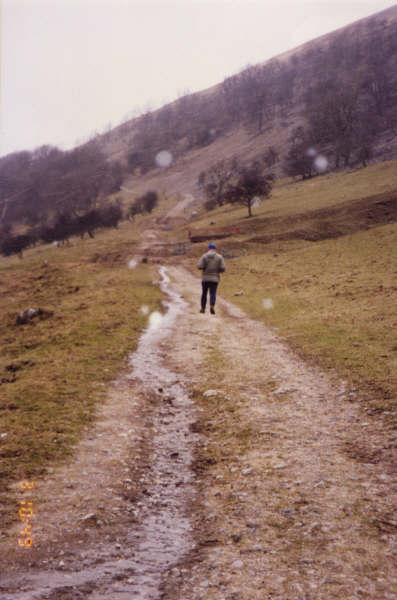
[163, 534]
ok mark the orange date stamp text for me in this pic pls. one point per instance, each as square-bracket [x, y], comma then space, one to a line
[25, 513]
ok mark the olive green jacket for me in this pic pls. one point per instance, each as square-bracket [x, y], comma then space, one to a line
[212, 264]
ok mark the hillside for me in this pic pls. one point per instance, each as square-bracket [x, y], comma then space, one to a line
[361, 56]
[335, 97]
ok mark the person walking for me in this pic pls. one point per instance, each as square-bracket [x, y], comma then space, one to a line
[212, 264]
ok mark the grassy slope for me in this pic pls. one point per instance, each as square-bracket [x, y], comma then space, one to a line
[289, 199]
[335, 299]
[53, 371]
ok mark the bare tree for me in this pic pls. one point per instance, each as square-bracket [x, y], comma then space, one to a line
[336, 116]
[251, 184]
[299, 160]
[270, 157]
[145, 203]
[213, 181]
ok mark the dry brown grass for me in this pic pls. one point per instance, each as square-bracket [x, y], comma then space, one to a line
[53, 370]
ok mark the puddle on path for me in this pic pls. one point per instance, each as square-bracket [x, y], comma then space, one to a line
[164, 533]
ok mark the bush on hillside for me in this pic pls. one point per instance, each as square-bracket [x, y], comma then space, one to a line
[143, 204]
[16, 244]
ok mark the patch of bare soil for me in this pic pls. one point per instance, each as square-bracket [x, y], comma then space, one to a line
[291, 493]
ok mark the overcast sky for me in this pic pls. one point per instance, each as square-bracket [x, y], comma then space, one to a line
[71, 67]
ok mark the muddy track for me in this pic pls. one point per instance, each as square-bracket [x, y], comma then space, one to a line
[160, 532]
[252, 475]
[299, 487]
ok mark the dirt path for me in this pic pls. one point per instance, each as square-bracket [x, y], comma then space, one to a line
[114, 519]
[180, 208]
[287, 496]
[297, 501]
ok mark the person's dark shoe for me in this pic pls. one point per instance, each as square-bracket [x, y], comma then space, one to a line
[202, 310]
[212, 310]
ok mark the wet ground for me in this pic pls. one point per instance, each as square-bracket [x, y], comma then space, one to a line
[163, 534]
[218, 470]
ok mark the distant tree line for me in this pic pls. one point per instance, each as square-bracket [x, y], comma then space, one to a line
[36, 186]
[66, 225]
[351, 101]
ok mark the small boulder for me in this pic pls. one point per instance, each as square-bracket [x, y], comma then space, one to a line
[26, 316]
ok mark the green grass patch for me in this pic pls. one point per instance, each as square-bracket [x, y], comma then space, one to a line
[333, 299]
[288, 198]
[53, 370]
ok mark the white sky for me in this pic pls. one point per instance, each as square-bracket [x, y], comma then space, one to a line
[70, 67]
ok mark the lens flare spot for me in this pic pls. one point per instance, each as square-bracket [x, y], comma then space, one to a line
[164, 159]
[311, 152]
[268, 304]
[321, 163]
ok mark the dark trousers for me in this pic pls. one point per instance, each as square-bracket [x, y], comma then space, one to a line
[211, 286]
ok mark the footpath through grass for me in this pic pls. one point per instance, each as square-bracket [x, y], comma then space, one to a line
[334, 300]
[53, 370]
